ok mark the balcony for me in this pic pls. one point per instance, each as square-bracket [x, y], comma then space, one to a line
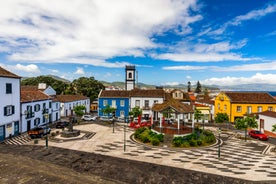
[30, 115]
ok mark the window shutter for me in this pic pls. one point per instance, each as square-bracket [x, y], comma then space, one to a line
[5, 111]
[13, 109]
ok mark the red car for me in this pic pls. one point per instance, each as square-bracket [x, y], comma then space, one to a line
[258, 135]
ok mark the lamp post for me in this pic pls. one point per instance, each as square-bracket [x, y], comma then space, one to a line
[245, 129]
[46, 116]
[126, 120]
[219, 130]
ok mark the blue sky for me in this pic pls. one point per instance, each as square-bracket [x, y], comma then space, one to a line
[223, 42]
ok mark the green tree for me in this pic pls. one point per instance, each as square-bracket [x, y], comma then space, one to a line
[87, 86]
[198, 87]
[108, 110]
[274, 128]
[221, 118]
[245, 123]
[189, 87]
[58, 85]
[79, 110]
[198, 115]
[135, 112]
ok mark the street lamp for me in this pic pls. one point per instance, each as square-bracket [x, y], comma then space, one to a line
[46, 116]
[126, 121]
[219, 130]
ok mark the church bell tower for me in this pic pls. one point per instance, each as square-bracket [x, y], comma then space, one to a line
[130, 77]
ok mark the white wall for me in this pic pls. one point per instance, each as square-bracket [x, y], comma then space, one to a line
[37, 114]
[268, 122]
[9, 99]
[69, 106]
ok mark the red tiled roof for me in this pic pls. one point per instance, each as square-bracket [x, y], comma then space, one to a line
[175, 104]
[114, 93]
[29, 88]
[133, 93]
[30, 96]
[251, 97]
[6, 73]
[158, 93]
[70, 98]
[268, 113]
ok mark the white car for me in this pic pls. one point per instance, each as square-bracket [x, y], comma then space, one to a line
[105, 118]
[121, 119]
[88, 118]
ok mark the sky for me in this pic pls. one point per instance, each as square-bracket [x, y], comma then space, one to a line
[171, 42]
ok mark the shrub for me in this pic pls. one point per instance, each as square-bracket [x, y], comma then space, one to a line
[199, 142]
[185, 144]
[144, 138]
[155, 142]
[177, 142]
[160, 137]
[193, 142]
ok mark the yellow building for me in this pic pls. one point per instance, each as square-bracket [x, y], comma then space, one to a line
[238, 104]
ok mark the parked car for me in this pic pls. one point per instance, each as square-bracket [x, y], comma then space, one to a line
[38, 132]
[88, 118]
[258, 135]
[106, 118]
[62, 124]
[120, 119]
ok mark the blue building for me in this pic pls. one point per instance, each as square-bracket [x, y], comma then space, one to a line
[117, 99]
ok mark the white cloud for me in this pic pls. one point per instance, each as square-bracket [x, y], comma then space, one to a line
[184, 67]
[171, 83]
[201, 57]
[107, 75]
[25, 68]
[79, 71]
[249, 67]
[202, 52]
[50, 31]
[258, 78]
[238, 20]
[254, 14]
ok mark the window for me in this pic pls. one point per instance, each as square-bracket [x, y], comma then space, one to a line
[122, 103]
[239, 108]
[37, 107]
[105, 103]
[146, 103]
[249, 109]
[225, 107]
[137, 103]
[37, 121]
[260, 109]
[114, 103]
[218, 105]
[8, 88]
[130, 75]
[122, 113]
[270, 108]
[8, 110]
[50, 104]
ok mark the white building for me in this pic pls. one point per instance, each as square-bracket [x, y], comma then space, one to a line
[68, 102]
[265, 120]
[55, 111]
[10, 104]
[145, 99]
[36, 108]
